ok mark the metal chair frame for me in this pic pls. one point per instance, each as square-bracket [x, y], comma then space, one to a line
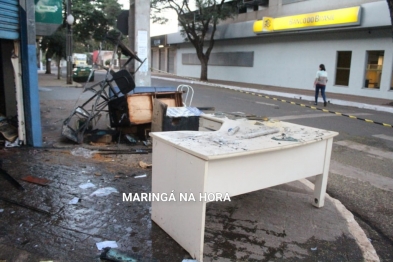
[83, 117]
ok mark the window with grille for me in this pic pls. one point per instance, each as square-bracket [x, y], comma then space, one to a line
[343, 68]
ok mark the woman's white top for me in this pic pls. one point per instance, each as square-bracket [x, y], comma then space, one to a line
[321, 77]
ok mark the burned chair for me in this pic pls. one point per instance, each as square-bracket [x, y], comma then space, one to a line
[86, 116]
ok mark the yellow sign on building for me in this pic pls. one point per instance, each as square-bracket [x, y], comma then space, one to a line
[264, 25]
[338, 17]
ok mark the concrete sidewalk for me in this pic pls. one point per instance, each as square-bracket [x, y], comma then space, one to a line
[51, 80]
[275, 224]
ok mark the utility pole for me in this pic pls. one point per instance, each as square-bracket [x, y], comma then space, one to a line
[70, 21]
[141, 19]
[131, 32]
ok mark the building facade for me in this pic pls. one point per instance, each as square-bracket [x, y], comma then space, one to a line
[282, 42]
[19, 96]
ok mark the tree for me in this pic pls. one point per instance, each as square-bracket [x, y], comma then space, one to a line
[93, 19]
[198, 26]
[54, 45]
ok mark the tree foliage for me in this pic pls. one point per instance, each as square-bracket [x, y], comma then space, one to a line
[199, 22]
[93, 20]
[55, 47]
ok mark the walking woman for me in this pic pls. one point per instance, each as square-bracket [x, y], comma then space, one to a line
[320, 84]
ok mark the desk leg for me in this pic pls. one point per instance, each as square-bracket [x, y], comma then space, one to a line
[180, 172]
[321, 180]
[185, 224]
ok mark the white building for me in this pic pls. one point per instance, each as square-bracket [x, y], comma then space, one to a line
[282, 42]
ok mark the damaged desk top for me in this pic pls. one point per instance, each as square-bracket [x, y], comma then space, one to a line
[242, 137]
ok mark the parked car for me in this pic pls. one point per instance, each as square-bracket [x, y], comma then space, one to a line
[81, 74]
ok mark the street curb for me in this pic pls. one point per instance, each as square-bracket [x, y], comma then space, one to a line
[357, 232]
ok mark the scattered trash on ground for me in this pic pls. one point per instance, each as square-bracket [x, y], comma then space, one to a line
[110, 254]
[189, 260]
[1, 210]
[73, 201]
[8, 130]
[144, 165]
[16, 143]
[314, 248]
[102, 136]
[36, 180]
[132, 139]
[87, 185]
[104, 244]
[147, 143]
[140, 176]
[80, 151]
[105, 191]
[120, 152]
[105, 139]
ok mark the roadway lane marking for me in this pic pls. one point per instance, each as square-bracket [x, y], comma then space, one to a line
[291, 117]
[366, 149]
[316, 108]
[256, 102]
[384, 137]
[376, 180]
[266, 104]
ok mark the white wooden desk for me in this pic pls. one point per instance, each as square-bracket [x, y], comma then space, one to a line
[215, 162]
